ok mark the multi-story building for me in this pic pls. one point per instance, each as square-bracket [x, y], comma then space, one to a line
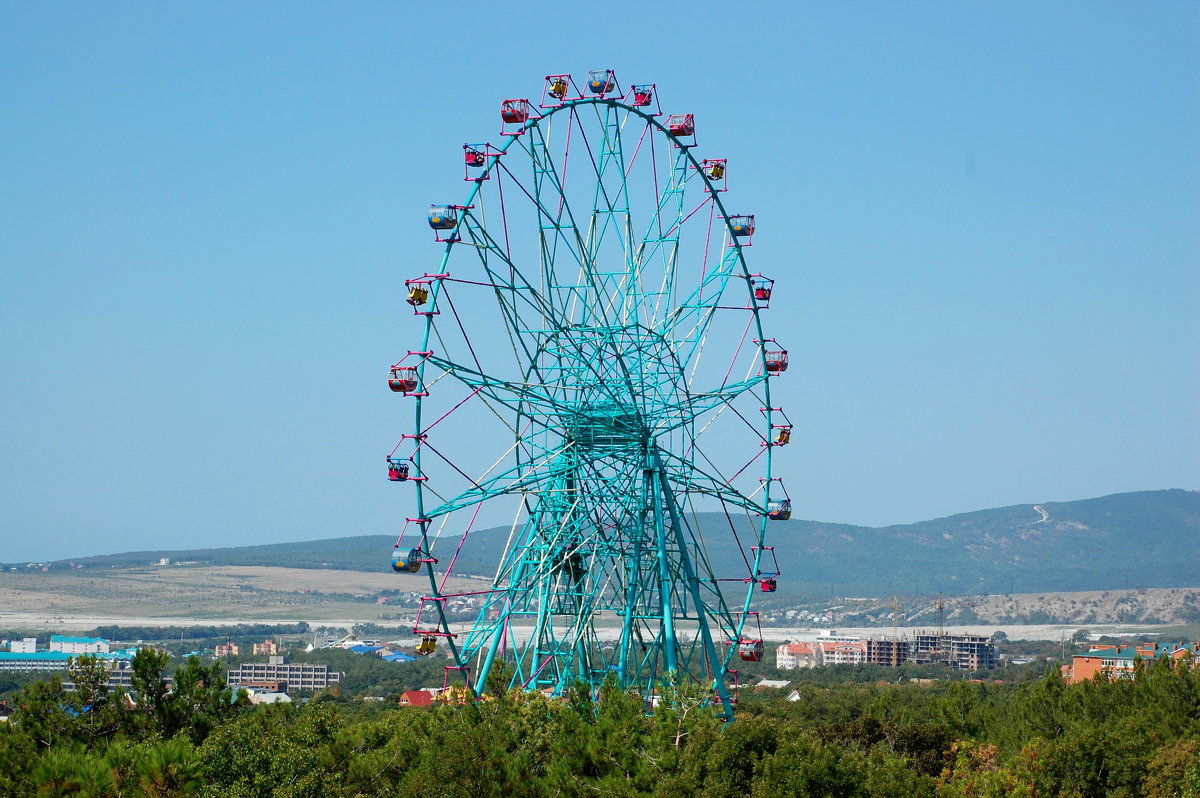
[226, 650]
[887, 652]
[284, 675]
[1120, 663]
[798, 655]
[26, 645]
[843, 653]
[78, 645]
[265, 648]
[965, 652]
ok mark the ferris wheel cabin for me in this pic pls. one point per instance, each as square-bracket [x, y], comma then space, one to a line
[763, 288]
[417, 296]
[443, 217]
[514, 112]
[751, 650]
[777, 361]
[407, 562]
[397, 470]
[557, 87]
[403, 379]
[643, 95]
[681, 125]
[602, 81]
[742, 226]
[768, 584]
[779, 510]
[473, 157]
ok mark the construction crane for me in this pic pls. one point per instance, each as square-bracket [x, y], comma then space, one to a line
[895, 633]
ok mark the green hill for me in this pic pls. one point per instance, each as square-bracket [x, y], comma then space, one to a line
[1143, 539]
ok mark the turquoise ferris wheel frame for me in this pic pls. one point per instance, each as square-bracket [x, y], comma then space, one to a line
[610, 313]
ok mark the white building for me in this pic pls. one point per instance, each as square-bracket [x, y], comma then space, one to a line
[843, 653]
[78, 645]
[26, 645]
[798, 655]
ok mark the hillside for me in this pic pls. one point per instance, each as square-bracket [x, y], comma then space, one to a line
[1143, 539]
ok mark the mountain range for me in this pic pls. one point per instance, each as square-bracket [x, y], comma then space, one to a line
[1141, 539]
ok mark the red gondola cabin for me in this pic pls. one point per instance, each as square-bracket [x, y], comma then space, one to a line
[514, 112]
[681, 125]
[643, 96]
[768, 585]
[403, 379]
[473, 157]
[763, 289]
[776, 361]
[397, 471]
[751, 650]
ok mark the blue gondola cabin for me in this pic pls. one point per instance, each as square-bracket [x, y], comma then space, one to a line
[443, 217]
[779, 510]
[681, 125]
[406, 562]
[601, 81]
[741, 226]
[403, 379]
[776, 361]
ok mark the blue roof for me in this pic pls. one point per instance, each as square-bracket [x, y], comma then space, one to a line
[361, 649]
[64, 639]
[398, 658]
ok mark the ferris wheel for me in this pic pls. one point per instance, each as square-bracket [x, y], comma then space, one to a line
[591, 365]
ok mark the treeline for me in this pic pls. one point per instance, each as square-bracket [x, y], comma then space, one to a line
[168, 633]
[1138, 737]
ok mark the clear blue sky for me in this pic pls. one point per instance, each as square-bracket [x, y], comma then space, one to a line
[984, 219]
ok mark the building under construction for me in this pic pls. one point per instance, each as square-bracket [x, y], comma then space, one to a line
[887, 652]
[965, 652]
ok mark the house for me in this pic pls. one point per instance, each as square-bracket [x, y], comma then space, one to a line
[771, 684]
[268, 697]
[416, 698]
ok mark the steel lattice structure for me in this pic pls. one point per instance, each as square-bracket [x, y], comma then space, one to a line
[594, 321]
